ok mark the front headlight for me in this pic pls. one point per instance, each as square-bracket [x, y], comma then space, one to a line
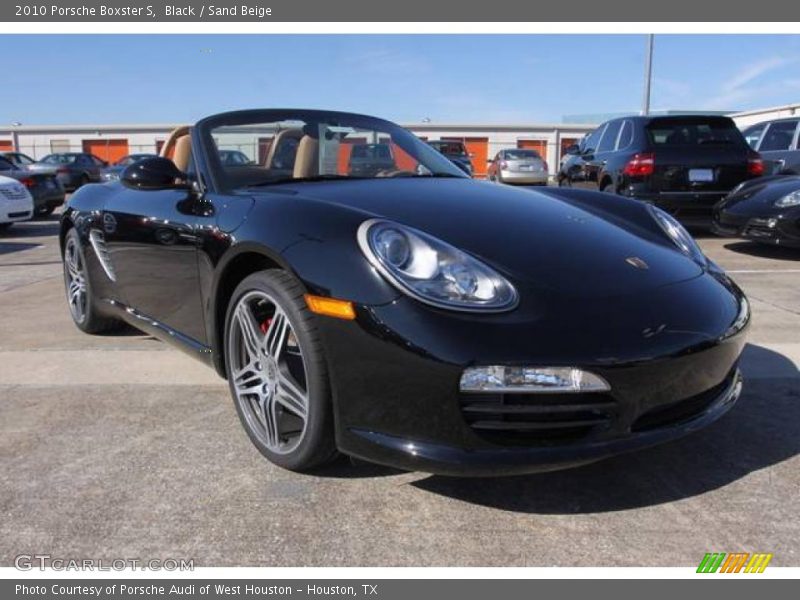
[432, 271]
[678, 234]
[789, 200]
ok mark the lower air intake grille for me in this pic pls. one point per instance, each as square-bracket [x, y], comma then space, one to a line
[537, 419]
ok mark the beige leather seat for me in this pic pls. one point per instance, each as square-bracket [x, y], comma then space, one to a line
[280, 140]
[183, 152]
[178, 147]
[306, 163]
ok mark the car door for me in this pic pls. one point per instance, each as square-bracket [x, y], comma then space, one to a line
[778, 145]
[151, 237]
[582, 172]
[606, 147]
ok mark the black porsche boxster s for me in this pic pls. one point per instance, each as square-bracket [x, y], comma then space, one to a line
[413, 316]
[764, 210]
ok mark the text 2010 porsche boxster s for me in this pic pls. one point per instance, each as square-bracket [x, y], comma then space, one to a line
[411, 317]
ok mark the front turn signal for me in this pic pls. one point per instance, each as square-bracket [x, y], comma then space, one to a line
[330, 307]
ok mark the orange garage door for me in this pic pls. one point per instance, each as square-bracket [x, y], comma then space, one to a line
[109, 150]
[539, 145]
[6, 146]
[478, 148]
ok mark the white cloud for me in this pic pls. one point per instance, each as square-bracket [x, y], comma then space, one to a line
[737, 90]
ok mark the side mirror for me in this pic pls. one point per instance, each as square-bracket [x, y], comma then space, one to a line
[489, 161]
[156, 173]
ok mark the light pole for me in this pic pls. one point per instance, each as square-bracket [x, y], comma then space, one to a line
[648, 74]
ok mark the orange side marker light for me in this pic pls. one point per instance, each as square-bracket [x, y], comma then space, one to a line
[330, 307]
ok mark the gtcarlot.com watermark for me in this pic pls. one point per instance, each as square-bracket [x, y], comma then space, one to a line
[29, 562]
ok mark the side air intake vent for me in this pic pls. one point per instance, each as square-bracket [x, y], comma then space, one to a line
[100, 248]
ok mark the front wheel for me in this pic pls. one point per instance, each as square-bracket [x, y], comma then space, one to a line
[277, 372]
[82, 304]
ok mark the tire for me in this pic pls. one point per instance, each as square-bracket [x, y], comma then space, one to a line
[564, 182]
[279, 381]
[45, 212]
[84, 312]
[5, 227]
[608, 188]
[82, 181]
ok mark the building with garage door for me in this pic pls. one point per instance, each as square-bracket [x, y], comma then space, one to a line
[111, 142]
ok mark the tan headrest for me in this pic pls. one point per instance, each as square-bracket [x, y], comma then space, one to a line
[278, 141]
[306, 163]
[183, 152]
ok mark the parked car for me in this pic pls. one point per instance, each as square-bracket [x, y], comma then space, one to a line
[233, 158]
[776, 142]
[45, 189]
[682, 164]
[112, 172]
[417, 318]
[16, 203]
[19, 159]
[518, 166]
[73, 169]
[457, 152]
[765, 210]
[368, 160]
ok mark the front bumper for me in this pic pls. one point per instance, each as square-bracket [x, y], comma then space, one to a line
[670, 358]
[449, 460]
[776, 229]
[524, 177]
[12, 211]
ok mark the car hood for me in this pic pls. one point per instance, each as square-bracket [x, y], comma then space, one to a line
[760, 195]
[534, 239]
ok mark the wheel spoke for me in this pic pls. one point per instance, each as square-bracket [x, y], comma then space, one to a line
[291, 396]
[269, 420]
[247, 378]
[275, 339]
[251, 334]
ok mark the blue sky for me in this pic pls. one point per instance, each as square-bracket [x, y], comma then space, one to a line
[456, 78]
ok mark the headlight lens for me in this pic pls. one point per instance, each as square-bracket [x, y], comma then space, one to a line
[789, 200]
[433, 271]
[678, 234]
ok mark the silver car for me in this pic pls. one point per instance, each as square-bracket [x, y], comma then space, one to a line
[518, 166]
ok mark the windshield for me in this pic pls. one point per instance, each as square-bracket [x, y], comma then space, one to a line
[279, 146]
[521, 154]
[131, 158]
[59, 159]
[694, 131]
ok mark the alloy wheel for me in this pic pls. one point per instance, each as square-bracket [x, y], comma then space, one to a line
[268, 372]
[75, 276]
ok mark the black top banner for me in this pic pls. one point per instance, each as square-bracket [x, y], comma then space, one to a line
[406, 11]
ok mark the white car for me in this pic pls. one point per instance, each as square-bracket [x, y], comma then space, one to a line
[16, 202]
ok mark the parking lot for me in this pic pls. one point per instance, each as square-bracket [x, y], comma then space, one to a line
[120, 447]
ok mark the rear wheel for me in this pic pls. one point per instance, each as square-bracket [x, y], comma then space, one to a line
[83, 180]
[5, 226]
[609, 187]
[82, 303]
[45, 211]
[277, 372]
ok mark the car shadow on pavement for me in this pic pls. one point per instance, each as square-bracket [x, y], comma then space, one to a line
[765, 251]
[761, 431]
[28, 229]
[9, 247]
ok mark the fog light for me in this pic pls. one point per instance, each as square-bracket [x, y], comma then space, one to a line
[531, 380]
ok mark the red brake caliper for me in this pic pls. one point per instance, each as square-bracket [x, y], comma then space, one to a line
[265, 325]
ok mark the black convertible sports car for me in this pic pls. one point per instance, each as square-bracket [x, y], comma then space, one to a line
[412, 317]
[765, 210]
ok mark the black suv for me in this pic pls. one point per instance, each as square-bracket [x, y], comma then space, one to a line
[683, 164]
[457, 153]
